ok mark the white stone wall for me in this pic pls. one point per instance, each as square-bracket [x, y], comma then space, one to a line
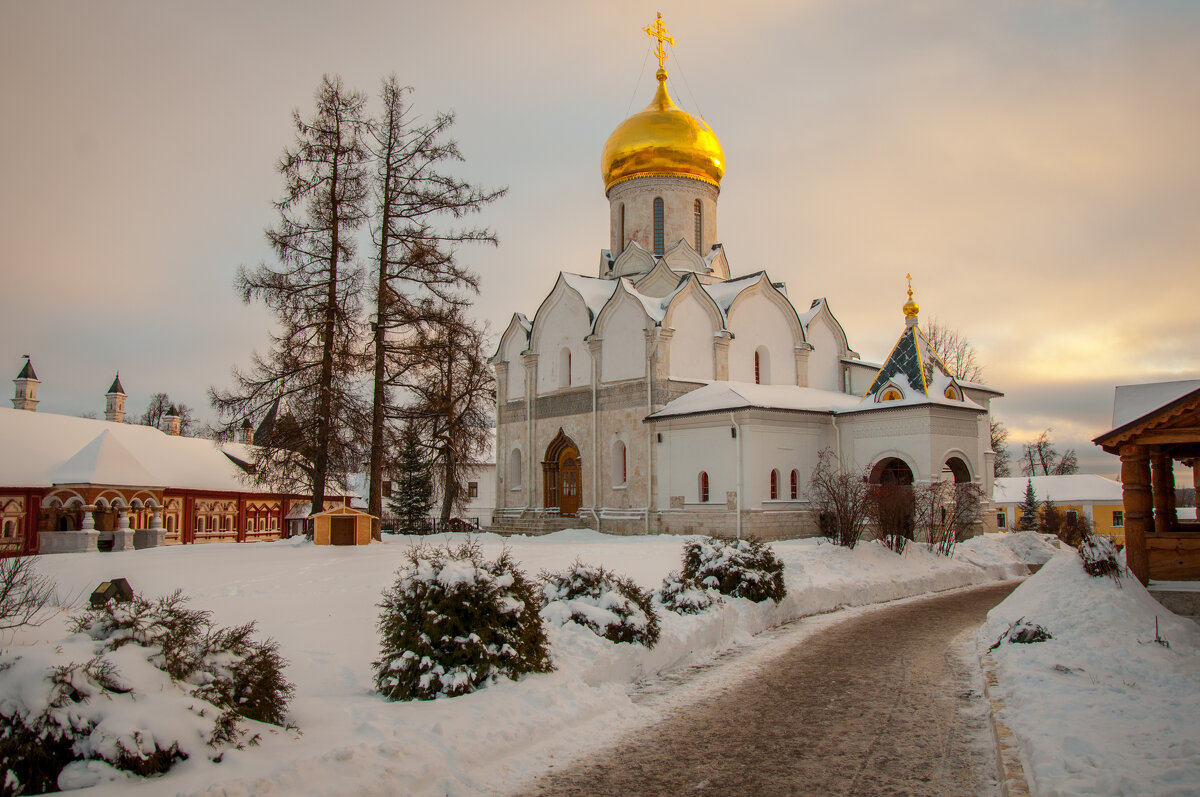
[692, 343]
[623, 340]
[824, 364]
[561, 324]
[757, 321]
[679, 195]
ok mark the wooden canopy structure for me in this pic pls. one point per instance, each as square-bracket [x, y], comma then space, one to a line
[1157, 426]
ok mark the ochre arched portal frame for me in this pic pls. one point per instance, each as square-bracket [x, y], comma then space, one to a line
[562, 476]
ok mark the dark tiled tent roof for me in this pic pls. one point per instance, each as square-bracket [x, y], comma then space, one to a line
[116, 385]
[905, 360]
[27, 371]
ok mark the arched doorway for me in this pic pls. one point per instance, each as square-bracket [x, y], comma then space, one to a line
[891, 471]
[562, 476]
[957, 470]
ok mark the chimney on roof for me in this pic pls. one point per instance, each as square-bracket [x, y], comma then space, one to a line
[246, 435]
[114, 402]
[25, 397]
[172, 422]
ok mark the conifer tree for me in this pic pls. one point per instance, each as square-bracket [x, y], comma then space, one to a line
[412, 495]
[1029, 509]
[417, 274]
[312, 291]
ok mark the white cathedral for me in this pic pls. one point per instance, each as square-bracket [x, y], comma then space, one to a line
[664, 395]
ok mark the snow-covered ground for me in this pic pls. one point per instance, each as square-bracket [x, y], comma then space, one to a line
[320, 604]
[1101, 708]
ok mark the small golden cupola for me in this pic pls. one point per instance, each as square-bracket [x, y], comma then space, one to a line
[662, 140]
[911, 308]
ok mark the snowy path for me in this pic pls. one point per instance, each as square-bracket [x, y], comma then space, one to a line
[886, 701]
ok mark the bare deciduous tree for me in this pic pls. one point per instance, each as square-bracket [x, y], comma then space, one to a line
[1001, 463]
[1042, 458]
[892, 512]
[840, 498]
[946, 511]
[25, 594]
[416, 267]
[955, 351]
[316, 352]
[453, 394]
[160, 403]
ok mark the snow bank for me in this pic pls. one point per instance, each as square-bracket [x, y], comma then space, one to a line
[1101, 708]
[321, 605]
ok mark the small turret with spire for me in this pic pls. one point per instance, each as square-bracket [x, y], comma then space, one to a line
[172, 422]
[25, 397]
[246, 435]
[114, 401]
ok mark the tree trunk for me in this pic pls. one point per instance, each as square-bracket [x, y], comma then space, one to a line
[325, 386]
[375, 472]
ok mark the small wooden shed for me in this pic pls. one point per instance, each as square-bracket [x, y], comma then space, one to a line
[342, 525]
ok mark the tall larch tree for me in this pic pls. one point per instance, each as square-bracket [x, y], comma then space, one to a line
[417, 275]
[312, 290]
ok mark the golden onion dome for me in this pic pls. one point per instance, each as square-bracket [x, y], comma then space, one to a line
[662, 141]
[911, 308]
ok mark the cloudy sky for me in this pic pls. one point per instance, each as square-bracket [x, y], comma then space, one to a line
[1033, 164]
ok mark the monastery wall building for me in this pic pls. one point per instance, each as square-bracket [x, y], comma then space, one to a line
[665, 395]
[82, 484]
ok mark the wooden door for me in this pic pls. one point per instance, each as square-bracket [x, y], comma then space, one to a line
[569, 483]
[341, 530]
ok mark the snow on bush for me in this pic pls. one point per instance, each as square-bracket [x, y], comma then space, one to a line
[739, 568]
[453, 622]
[1022, 632]
[616, 608]
[158, 683]
[684, 596]
[1099, 555]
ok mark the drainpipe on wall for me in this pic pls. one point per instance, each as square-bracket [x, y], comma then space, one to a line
[595, 442]
[837, 437]
[652, 343]
[738, 432]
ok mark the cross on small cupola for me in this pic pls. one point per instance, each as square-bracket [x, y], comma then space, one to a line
[659, 32]
[911, 308]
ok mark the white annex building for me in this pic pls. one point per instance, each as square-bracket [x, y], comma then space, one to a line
[666, 395]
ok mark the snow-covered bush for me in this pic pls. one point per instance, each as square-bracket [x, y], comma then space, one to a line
[614, 607]
[684, 596]
[1099, 555]
[739, 568]
[453, 622]
[1022, 632]
[159, 684]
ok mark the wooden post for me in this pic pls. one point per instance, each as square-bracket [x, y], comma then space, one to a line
[1163, 479]
[1135, 478]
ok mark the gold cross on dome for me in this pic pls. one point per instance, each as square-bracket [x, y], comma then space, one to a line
[909, 278]
[659, 31]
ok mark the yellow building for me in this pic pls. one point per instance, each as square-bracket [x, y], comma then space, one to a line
[1094, 497]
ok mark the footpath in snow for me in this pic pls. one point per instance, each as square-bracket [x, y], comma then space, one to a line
[320, 605]
[1101, 708]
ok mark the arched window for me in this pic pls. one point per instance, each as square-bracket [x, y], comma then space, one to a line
[762, 366]
[698, 223]
[658, 225]
[564, 367]
[774, 485]
[795, 484]
[891, 394]
[514, 469]
[619, 470]
[703, 487]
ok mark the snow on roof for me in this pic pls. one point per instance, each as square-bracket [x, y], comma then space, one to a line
[1059, 489]
[104, 461]
[42, 449]
[719, 396]
[724, 293]
[595, 291]
[1134, 401]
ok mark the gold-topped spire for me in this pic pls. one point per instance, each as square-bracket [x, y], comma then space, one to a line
[659, 31]
[911, 308]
